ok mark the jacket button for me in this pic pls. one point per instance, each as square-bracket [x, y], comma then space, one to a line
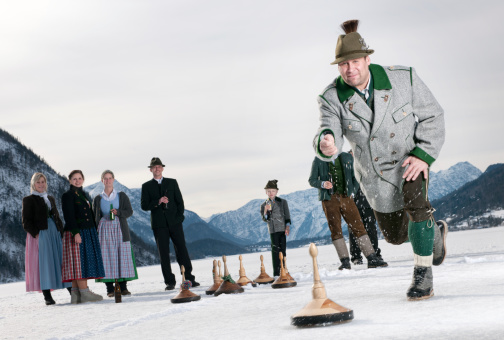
[381, 173]
[404, 113]
[393, 152]
[376, 159]
[392, 135]
[350, 127]
[394, 162]
[87, 219]
[85, 214]
[372, 139]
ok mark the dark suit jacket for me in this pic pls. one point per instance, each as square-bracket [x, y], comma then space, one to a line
[151, 193]
[34, 214]
[77, 211]
[320, 173]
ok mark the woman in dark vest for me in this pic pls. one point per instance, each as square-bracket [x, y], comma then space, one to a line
[82, 258]
[111, 209]
[43, 225]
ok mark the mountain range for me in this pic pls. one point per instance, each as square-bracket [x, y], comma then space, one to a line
[460, 192]
[475, 202]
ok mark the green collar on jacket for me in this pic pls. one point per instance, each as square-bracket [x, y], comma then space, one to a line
[380, 82]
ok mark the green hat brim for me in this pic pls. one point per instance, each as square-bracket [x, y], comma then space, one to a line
[352, 55]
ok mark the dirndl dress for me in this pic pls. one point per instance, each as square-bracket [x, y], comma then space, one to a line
[43, 260]
[84, 260]
[117, 255]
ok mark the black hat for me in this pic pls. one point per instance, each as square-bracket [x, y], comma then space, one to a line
[155, 161]
[271, 184]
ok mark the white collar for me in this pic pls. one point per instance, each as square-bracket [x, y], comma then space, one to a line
[112, 196]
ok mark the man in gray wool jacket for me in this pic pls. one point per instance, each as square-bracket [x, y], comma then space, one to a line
[395, 128]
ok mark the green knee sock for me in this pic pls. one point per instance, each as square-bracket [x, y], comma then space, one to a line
[421, 235]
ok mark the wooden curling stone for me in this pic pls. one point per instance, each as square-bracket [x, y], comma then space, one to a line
[284, 280]
[244, 280]
[185, 295]
[287, 271]
[321, 311]
[263, 278]
[228, 286]
[216, 278]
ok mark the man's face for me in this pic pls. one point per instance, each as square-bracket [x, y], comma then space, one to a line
[157, 171]
[355, 72]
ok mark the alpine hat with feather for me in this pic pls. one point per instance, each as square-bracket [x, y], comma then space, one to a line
[350, 45]
[272, 184]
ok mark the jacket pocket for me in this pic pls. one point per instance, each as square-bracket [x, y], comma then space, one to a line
[352, 125]
[402, 112]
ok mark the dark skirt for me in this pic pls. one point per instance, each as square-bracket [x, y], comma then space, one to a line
[82, 261]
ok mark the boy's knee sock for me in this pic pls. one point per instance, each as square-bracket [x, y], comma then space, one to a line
[421, 236]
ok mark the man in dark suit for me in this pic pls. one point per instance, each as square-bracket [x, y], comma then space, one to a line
[162, 197]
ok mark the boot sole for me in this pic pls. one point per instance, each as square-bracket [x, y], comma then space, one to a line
[425, 297]
[438, 260]
[382, 266]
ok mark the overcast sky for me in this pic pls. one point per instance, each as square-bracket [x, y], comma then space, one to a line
[224, 92]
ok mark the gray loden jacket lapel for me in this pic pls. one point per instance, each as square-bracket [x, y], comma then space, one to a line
[359, 108]
[382, 99]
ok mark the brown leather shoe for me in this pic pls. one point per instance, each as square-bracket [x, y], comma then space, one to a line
[110, 294]
[125, 292]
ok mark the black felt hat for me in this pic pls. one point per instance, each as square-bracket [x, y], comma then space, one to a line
[155, 161]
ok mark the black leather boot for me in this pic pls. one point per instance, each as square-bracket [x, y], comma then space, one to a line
[345, 263]
[373, 261]
[421, 287]
[48, 297]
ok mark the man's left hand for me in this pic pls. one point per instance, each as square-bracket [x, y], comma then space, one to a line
[416, 166]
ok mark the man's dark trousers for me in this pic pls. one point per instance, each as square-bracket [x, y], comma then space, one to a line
[369, 220]
[176, 234]
[278, 244]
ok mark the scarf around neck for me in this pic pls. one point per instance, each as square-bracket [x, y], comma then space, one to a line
[44, 196]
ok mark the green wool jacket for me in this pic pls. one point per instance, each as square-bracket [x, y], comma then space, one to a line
[151, 193]
[320, 173]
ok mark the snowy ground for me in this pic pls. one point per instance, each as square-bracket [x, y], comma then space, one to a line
[468, 301]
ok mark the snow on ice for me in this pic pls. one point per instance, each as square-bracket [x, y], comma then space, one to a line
[468, 301]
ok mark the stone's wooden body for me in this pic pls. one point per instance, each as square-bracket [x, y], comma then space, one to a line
[185, 295]
[217, 279]
[321, 310]
[244, 280]
[227, 287]
[284, 280]
[263, 278]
